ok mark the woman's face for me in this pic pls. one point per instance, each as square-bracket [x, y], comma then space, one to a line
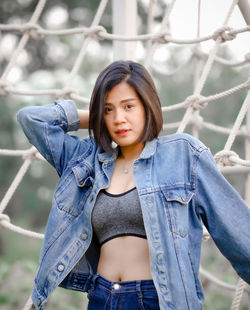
[124, 115]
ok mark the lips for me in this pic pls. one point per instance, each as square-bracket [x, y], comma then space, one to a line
[122, 132]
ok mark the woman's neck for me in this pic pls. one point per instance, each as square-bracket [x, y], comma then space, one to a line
[131, 152]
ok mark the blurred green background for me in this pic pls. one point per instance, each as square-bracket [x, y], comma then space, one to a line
[45, 64]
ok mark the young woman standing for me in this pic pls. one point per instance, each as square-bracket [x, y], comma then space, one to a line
[126, 220]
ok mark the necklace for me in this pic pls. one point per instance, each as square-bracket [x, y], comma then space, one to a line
[126, 166]
[125, 170]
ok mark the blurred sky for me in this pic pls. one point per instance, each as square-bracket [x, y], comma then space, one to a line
[183, 25]
[184, 17]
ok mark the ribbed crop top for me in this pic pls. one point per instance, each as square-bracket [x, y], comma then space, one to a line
[117, 215]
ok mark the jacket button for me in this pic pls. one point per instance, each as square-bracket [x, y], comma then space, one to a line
[38, 302]
[183, 199]
[91, 197]
[60, 268]
[84, 236]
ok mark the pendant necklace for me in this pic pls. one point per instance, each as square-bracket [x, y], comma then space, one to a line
[125, 170]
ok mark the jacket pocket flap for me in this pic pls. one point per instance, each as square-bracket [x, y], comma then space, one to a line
[82, 175]
[182, 195]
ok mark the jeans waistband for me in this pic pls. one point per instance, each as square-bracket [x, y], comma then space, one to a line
[123, 286]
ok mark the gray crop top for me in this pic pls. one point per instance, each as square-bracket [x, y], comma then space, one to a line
[117, 215]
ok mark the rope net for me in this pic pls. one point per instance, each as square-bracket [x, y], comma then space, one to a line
[227, 160]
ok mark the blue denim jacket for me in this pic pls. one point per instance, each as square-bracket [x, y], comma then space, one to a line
[179, 186]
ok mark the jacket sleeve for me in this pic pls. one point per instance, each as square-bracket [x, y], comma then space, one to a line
[225, 214]
[46, 128]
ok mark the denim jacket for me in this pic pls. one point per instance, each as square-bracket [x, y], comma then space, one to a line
[179, 187]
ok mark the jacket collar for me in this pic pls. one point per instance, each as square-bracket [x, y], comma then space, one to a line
[107, 157]
[148, 151]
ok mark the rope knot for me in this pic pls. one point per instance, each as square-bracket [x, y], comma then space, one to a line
[31, 154]
[96, 32]
[224, 33]
[196, 102]
[33, 30]
[161, 37]
[4, 87]
[4, 217]
[224, 158]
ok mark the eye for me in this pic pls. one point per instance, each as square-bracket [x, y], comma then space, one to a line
[107, 110]
[128, 106]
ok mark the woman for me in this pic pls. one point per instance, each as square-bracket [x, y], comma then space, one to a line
[125, 224]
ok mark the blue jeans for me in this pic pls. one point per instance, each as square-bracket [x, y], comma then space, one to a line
[125, 295]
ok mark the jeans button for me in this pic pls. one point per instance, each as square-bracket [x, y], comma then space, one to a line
[116, 286]
[183, 199]
[60, 268]
[84, 236]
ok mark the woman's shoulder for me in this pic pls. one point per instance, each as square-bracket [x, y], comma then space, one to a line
[181, 139]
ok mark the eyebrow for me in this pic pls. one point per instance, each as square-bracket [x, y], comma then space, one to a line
[125, 100]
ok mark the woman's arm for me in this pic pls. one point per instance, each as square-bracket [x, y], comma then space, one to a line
[84, 118]
[46, 128]
[225, 214]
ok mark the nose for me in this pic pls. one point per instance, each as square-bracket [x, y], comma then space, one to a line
[119, 116]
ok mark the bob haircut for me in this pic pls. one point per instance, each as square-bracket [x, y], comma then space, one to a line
[136, 76]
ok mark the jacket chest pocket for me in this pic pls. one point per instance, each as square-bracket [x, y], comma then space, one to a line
[177, 203]
[73, 190]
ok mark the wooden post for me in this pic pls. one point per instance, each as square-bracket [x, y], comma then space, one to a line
[124, 23]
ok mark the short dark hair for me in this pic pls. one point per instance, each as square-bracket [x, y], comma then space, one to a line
[136, 76]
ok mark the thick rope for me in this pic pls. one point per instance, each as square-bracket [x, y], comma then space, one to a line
[5, 222]
[163, 32]
[163, 36]
[28, 304]
[83, 50]
[238, 295]
[18, 178]
[38, 10]
[237, 123]
[206, 70]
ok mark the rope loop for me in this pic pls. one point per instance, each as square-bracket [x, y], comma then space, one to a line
[4, 85]
[33, 30]
[195, 102]
[224, 158]
[4, 217]
[96, 32]
[224, 33]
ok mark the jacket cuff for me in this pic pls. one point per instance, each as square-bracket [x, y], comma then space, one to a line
[70, 110]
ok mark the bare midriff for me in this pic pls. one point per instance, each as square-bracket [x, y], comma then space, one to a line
[125, 258]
